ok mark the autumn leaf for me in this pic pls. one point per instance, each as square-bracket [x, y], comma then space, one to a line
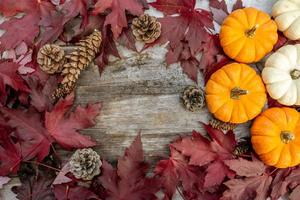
[117, 14]
[279, 185]
[129, 180]
[210, 153]
[295, 194]
[33, 137]
[40, 94]
[10, 152]
[35, 189]
[250, 188]
[73, 192]
[255, 180]
[246, 168]
[176, 170]
[9, 76]
[191, 26]
[76, 7]
[197, 148]
[219, 10]
[64, 127]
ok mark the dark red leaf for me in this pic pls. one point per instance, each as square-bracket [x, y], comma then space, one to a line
[219, 10]
[41, 92]
[117, 16]
[170, 7]
[216, 173]
[295, 193]
[64, 127]
[66, 192]
[30, 132]
[9, 76]
[279, 185]
[191, 67]
[12, 7]
[273, 102]
[197, 148]
[210, 69]
[175, 170]
[20, 30]
[35, 189]
[238, 5]
[76, 7]
[256, 187]
[129, 180]
[10, 152]
[246, 168]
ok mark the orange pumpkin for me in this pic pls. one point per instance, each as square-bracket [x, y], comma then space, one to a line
[235, 93]
[248, 34]
[275, 137]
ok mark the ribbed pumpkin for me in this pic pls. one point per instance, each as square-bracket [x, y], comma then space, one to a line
[248, 34]
[275, 136]
[235, 93]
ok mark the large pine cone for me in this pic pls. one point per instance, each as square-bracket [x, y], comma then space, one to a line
[76, 61]
[51, 58]
[85, 164]
[223, 126]
[146, 28]
[193, 98]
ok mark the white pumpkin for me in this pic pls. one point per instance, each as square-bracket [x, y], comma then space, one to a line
[287, 17]
[281, 75]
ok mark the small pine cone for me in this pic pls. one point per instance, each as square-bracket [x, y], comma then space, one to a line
[146, 28]
[62, 91]
[51, 58]
[223, 126]
[241, 148]
[78, 60]
[193, 98]
[85, 164]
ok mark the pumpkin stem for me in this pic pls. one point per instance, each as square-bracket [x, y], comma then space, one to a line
[295, 74]
[286, 136]
[236, 92]
[251, 32]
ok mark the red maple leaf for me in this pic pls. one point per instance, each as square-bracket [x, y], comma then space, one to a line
[212, 154]
[40, 95]
[255, 184]
[10, 152]
[9, 76]
[129, 180]
[64, 127]
[175, 170]
[76, 7]
[117, 16]
[192, 27]
[73, 192]
[31, 134]
[35, 139]
[35, 188]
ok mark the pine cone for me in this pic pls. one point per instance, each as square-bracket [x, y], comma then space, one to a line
[146, 28]
[85, 164]
[223, 126]
[193, 98]
[242, 148]
[76, 61]
[51, 58]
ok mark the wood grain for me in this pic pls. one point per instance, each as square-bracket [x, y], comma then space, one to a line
[138, 95]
